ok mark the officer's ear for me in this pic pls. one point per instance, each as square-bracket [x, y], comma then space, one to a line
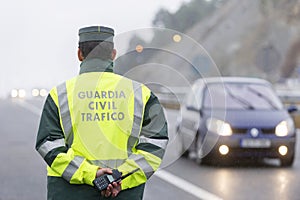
[80, 55]
[113, 54]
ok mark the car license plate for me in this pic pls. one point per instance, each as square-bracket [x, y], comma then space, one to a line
[255, 143]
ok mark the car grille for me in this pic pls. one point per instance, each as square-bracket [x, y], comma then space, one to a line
[246, 130]
[239, 130]
[268, 130]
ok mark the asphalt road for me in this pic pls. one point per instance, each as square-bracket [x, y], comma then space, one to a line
[23, 172]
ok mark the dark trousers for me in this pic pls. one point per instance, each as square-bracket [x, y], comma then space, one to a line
[59, 189]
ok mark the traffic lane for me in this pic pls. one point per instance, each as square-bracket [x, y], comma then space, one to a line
[156, 188]
[242, 179]
[205, 177]
[22, 171]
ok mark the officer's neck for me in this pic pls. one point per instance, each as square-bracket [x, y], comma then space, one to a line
[96, 65]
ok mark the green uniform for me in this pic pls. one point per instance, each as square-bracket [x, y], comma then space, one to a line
[103, 125]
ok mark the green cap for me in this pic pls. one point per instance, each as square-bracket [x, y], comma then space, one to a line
[96, 33]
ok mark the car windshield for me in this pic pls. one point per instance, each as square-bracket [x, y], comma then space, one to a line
[240, 96]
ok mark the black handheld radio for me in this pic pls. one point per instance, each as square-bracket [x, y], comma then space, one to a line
[102, 182]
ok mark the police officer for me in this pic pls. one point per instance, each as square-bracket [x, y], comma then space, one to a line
[99, 121]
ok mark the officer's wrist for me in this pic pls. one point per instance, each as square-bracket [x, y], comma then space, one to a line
[97, 172]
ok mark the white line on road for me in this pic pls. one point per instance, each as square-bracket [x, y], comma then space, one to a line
[162, 174]
[185, 185]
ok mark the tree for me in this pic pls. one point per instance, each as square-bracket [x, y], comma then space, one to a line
[292, 16]
[289, 12]
[187, 15]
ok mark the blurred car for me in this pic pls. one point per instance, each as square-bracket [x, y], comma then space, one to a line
[234, 118]
[39, 92]
[18, 93]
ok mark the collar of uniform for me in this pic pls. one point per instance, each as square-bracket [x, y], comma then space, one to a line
[96, 65]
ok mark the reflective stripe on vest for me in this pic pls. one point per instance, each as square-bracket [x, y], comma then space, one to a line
[113, 163]
[72, 168]
[144, 165]
[49, 146]
[137, 119]
[65, 113]
[160, 143]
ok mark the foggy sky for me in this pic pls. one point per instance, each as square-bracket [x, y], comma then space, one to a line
[39, 38]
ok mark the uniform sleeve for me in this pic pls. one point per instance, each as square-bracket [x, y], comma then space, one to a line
[50, 144]
[150, 147]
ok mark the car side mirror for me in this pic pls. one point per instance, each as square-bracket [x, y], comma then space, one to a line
[192, 108]
[292, 109]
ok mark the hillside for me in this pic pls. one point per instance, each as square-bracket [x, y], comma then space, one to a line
[243, 38]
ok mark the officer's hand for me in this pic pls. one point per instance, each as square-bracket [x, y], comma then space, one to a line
[102, 171]
[112, 189]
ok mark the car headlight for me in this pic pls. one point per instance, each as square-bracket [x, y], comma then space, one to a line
[285, 128]
[35, 92]
[14, 93]
[218, 126]
[43, 92]
[21, 93]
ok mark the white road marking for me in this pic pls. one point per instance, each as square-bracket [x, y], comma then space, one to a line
[162, 174]
[186, 186]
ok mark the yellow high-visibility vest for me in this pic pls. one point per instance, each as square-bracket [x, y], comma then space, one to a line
[101, 115]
